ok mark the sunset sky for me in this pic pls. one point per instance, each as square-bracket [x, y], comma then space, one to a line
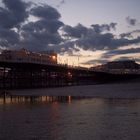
[88, 32]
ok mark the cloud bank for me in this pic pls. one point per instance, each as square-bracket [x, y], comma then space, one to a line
[16, 30]
[47, 31]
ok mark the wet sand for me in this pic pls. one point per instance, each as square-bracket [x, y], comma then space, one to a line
[117, 90]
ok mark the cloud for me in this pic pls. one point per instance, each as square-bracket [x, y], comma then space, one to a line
[36, 36]
[45, 12]
[124, 42]
[13, 13]
[129, 34]
[108, 56]
[104, 27]
[101, 39]
[80, 31]
[119, 52]
[44, 33]
[40, 35]
[8, 38]
[131, 21]
[66, 47]
[125, 58]
[105, 41]
[94, 38]
[126, 35]
[95, 61]
[96, 41]
[77, 31]
[61, 3]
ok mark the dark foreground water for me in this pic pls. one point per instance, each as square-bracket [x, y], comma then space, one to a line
[69, 118]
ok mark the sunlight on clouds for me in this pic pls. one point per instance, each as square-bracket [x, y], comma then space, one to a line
[32, 18]
[80, 57]
[129, 47]
[130, 56]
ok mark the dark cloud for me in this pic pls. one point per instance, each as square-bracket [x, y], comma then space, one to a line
[131, 21]
[118, 52]
[66, 47]
[95, 41]
[13, 13]
[94, 38]
[104, 27]
[51, 26]
[37, 40]
[8, 38]
[80, 31]
[129, 34]
[77, 31]
[36, 36]
[124, 42]
[123, 58]
[126, 35]
[40, 35]
[104, 41]
[45, 12]
[44, 33]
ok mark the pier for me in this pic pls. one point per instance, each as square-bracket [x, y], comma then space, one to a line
[14, 75]
[34, 75]
[25, 69]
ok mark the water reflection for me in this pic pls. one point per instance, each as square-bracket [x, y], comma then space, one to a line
[68, 118]
[20, 99]
[7, 99]
[121, 102]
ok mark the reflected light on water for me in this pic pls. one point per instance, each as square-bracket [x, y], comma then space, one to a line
[21, 99]
[69, 99]
[68, 117]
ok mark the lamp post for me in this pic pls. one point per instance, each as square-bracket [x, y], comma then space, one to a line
[78, 60]
[67, 61]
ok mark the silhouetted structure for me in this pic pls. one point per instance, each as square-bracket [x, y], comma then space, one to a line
[119, 67]
[24, 69]
[24, 55]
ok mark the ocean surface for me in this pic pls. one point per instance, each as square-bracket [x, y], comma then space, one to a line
[69, 118]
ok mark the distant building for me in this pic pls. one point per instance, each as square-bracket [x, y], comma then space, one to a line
[127, 66]
[24, 55]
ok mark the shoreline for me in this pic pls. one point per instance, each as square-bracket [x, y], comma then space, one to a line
[114, 90]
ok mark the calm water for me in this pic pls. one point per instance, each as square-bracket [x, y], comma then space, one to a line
[69, 118]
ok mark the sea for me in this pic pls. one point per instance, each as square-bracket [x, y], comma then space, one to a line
[30, 115]
[37, 117]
